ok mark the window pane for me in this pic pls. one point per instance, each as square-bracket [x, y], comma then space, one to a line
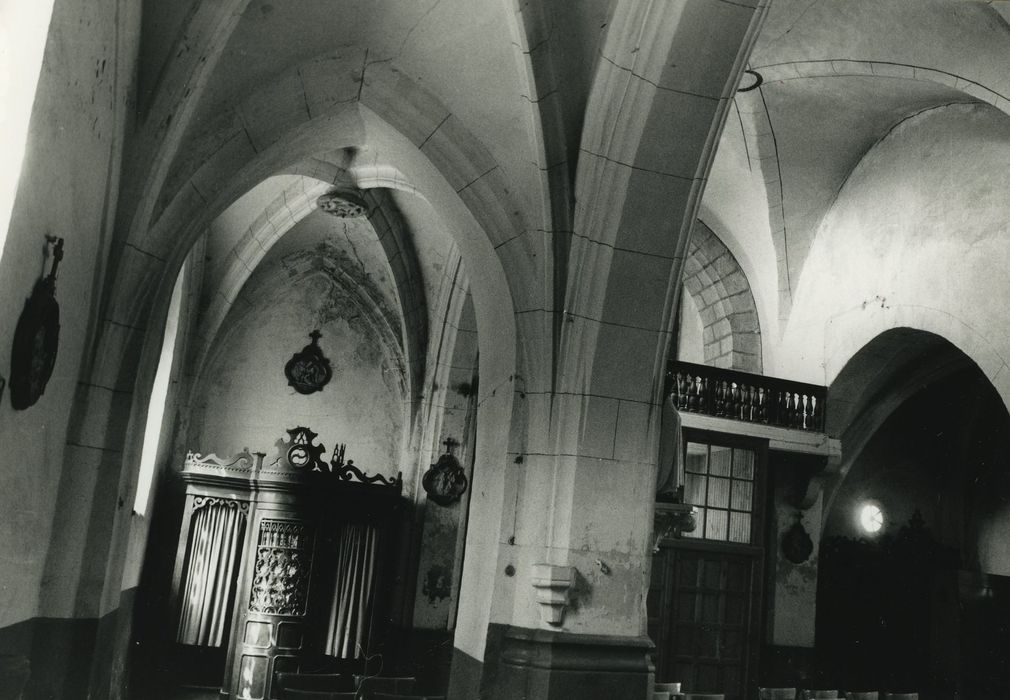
[743, 464]
[743, 492]
[694, 489]
[718, 492]
[720, 460]
[739, 527]
[715, 526]
[697, 456]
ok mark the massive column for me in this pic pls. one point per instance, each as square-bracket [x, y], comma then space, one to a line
[568, 615]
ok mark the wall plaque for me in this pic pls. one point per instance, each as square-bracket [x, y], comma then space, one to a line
[309, 371]
[446, 481]
[36, 338]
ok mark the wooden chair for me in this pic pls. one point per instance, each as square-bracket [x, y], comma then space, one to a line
[818, 694]
[369, 685]
[901, 696]
[328, 682]
[776, 693]
[862, 695]
[294, 694]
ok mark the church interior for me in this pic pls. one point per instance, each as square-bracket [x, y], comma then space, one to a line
[505, 349]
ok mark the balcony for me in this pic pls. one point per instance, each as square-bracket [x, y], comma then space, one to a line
[752, 398]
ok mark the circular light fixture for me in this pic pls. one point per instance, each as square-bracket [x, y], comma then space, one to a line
[871, 518]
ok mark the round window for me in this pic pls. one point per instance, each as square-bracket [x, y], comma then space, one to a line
[871, 518]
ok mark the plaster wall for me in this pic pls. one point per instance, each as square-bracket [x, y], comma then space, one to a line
[735, 206]
[244, 399]
[68, 188]
[928, 33]
[449, 46]
[441, 546]
[795, 594]
[912, 241]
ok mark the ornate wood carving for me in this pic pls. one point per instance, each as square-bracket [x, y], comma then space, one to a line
[298, 452]
[283, 564]
[299, 460]
[346, 471]
[243, 460]
[203, 501]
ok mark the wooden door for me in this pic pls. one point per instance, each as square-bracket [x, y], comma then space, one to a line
[704, 626]
[705, 596]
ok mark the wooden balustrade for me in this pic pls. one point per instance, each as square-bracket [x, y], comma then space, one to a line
[748, 397]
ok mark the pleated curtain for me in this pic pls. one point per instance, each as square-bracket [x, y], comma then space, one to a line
[215, 548]
[353, 592]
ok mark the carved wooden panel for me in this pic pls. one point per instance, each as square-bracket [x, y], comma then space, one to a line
[283, 563]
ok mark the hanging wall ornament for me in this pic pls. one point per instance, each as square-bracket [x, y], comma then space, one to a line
[309, 371]
[446, 481]
[36, 338]
[796, 543]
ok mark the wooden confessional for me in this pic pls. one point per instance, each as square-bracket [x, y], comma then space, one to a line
[287, 564]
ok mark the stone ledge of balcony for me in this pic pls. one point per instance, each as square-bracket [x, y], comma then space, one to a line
[782, 439]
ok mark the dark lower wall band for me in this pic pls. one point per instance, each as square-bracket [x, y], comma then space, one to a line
[528, 664]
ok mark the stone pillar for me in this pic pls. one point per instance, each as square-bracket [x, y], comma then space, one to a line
[568, 613]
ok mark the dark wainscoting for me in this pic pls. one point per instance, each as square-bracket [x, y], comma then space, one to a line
[465, 676]
[789, 667]
[54, 654]
[45, 658]
[528, 664]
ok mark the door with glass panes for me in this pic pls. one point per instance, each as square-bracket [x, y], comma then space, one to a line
[705, 595]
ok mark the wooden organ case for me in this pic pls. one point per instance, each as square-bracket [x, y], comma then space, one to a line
[288, 563]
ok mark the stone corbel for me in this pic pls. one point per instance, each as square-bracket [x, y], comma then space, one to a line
[553, 584]
[671, 520]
